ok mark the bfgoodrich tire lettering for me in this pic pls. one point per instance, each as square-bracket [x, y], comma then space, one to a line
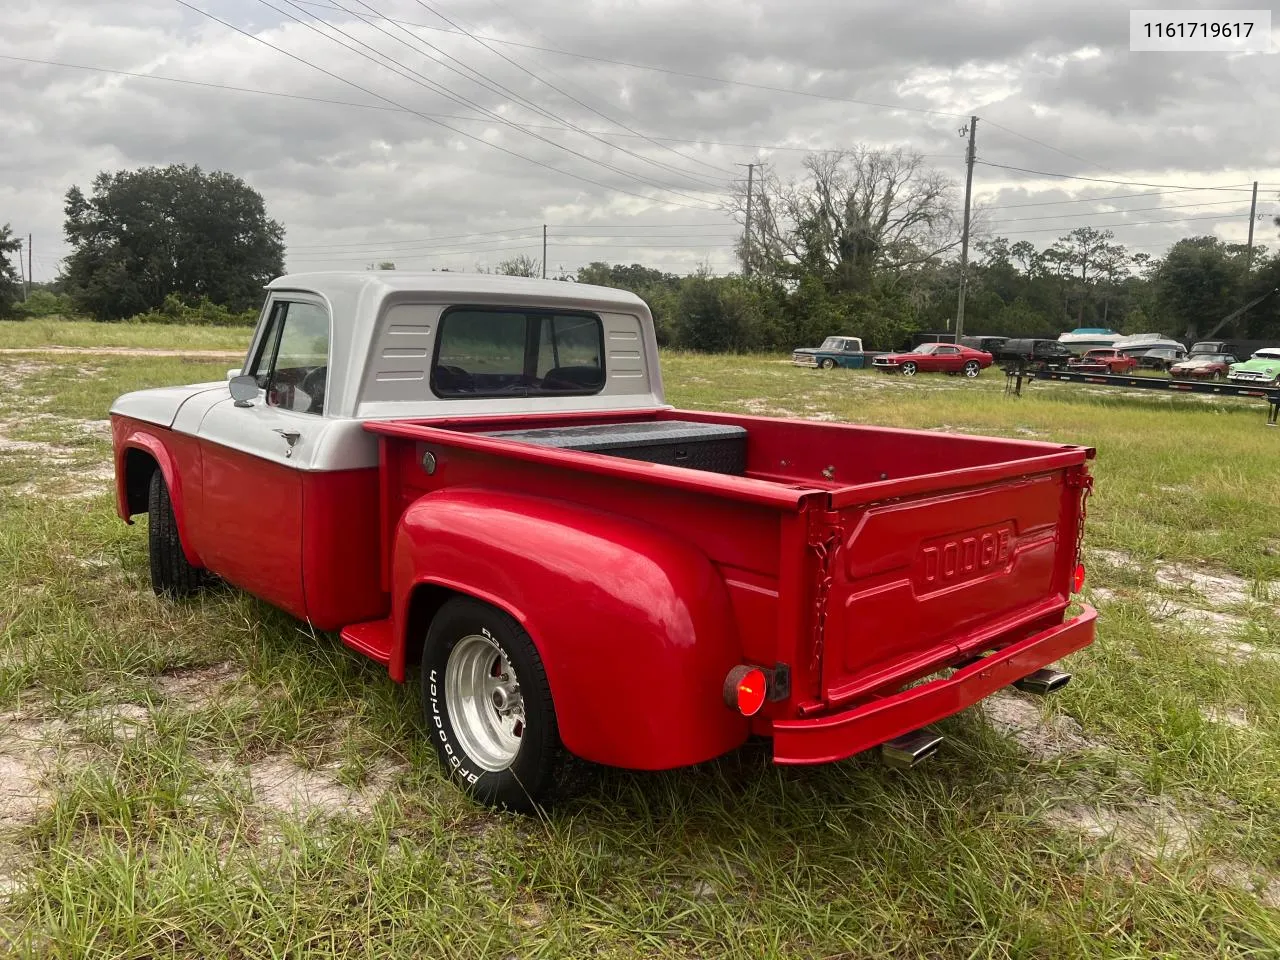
[171, 574]
[529, 778]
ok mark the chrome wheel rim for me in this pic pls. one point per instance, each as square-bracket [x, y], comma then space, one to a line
[971, 369]
[486, 710]
[908, 369]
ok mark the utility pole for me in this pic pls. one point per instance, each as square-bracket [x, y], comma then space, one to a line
[746, 259]
[544, 251]
[964, 234]
[1253, 213]
[23, 275]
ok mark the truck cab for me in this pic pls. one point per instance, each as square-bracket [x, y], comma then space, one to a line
[478, 480]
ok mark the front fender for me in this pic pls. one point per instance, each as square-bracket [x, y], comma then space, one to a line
[633, 625]
[128, 435]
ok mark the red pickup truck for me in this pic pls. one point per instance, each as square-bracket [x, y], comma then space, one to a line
[479, 476]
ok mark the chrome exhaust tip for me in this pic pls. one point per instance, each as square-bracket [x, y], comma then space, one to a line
[904, 752]
[1043, 681]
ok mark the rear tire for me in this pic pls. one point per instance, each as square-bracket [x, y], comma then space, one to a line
[972, 369]
[172, 575]
[488, 706]
[908, 369]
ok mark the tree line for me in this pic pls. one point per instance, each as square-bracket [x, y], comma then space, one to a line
[862, 242]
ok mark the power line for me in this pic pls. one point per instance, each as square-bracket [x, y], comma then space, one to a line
[408, 73]
[490, 84]
[1109, 226]
[586, 106]
[1128, 183]
[676, 73]
[427, 117]
[1047, 146]
[1107, 213]
[440, 116]
[1117, 196]
[497, 5]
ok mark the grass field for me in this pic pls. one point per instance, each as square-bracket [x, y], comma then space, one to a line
[25, 334]
[206, 779]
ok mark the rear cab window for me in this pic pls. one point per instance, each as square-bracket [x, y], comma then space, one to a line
[513, 352]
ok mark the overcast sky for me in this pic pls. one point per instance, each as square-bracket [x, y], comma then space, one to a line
[410, 165]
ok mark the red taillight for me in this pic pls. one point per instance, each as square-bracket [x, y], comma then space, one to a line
[745, 689]
[1077, 581]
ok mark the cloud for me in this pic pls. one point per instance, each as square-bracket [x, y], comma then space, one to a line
[412, 168]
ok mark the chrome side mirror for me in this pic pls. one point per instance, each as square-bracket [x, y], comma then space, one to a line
[244, 389]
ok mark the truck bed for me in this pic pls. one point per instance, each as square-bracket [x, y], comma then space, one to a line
[864, 558]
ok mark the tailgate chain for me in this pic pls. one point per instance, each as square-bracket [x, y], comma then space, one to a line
[825, 542]
[1083, 480]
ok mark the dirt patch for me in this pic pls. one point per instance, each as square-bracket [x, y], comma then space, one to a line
[282, 785]
[760, 406]
[1237, 651]
[122, 720]
[199, 687]
[29, 751]
[1116, 558]
[1235, 717]
[1151, 828]
[1021, 720]
[1236, 875]
[1225, 589]
[13, 375]
[1164, 610]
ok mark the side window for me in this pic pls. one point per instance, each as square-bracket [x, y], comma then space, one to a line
[948, 351]
[292, 364]
[490, 353]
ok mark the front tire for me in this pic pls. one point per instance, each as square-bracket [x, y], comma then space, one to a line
[488, 706]
[172, 575]
[827, 363]
[909, 369]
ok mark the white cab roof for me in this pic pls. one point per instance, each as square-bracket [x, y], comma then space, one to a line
[357, 298]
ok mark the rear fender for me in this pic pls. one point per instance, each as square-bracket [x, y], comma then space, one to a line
[633, 625]
[135, 439]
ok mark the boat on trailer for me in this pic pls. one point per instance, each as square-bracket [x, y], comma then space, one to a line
[1088, 338]
[1142, 342]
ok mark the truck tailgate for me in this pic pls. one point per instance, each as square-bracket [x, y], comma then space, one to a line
[918, 581]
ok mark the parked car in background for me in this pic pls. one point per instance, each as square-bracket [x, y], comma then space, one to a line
[1160, 358]
[1103, 360]
[835, 352]
[1206, 366]
[1034, 354]
[478, 479]
[989, 345]
[935, 358]
[1262, 368]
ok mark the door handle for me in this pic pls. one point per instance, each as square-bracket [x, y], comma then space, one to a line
[290, 437]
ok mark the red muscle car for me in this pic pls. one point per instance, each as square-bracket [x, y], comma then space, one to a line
[935, 358]
[1104, 360]
[1204, 366]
